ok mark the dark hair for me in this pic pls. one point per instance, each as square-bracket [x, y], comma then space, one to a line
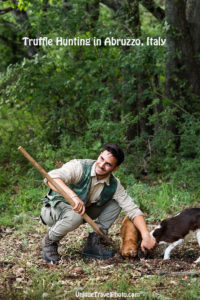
[116, 151]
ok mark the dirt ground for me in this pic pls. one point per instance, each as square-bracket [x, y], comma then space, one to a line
[20, 260]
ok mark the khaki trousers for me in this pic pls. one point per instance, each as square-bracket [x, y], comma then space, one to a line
[63, 219]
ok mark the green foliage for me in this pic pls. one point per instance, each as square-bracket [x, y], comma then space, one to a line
[66, 101]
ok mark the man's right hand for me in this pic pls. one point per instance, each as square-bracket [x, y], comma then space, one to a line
[79, 206]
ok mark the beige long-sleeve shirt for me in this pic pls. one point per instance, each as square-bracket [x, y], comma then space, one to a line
[71, 173]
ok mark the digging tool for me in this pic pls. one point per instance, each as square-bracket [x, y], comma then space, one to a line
[66, 196]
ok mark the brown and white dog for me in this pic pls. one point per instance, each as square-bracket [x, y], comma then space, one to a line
[174, 229]
[129, 239]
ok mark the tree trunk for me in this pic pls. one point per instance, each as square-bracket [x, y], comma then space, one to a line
[192, 16]
[92, 8]
[182, 66]
[21, 18]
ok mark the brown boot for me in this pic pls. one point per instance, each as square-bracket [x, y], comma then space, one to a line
[50, 249]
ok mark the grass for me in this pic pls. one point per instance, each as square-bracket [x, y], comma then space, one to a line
[18, 200]
[161, 200]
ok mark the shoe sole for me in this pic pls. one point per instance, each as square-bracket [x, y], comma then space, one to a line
[49, 260]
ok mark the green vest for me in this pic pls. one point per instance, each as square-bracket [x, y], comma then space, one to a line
[83, 186]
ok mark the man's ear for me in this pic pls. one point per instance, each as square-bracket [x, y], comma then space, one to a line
[116, 168]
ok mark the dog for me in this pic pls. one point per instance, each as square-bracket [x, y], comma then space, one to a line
[129, 239]
[173, 230]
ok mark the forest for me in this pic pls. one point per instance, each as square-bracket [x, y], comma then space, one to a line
[75, 75]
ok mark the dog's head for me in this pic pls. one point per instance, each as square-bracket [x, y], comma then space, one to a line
[129, 252]
[142, 254]
[157, 233]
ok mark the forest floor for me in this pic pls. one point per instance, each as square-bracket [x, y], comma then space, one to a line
[25, 275]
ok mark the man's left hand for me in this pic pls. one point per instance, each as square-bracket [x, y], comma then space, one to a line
[148, 242]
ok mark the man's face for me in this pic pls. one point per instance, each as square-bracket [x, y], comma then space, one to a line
[105, 164]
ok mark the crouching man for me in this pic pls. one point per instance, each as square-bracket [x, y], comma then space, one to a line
[96, 191]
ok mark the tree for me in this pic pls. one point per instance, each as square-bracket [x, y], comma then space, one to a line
[97, 94]
[183, 45]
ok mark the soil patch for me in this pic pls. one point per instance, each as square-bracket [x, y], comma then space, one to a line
[21, 261]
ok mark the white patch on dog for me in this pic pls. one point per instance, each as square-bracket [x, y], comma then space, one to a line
[171, 247]
[198, 239]
[151, 233]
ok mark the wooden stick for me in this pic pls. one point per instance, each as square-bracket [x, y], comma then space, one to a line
[185, 273]
[65, 195]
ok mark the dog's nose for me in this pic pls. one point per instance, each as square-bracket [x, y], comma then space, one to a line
[142, 254]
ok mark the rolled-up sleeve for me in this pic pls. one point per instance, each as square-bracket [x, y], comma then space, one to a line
[126, 202]
[70, 172]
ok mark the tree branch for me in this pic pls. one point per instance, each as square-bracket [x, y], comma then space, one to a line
[156, 11]
[150, 5]
[13, 45]
[5, 10]
[115, 5]
[8, 24]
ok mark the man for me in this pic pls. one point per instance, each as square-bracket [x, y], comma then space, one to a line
[94, 190]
